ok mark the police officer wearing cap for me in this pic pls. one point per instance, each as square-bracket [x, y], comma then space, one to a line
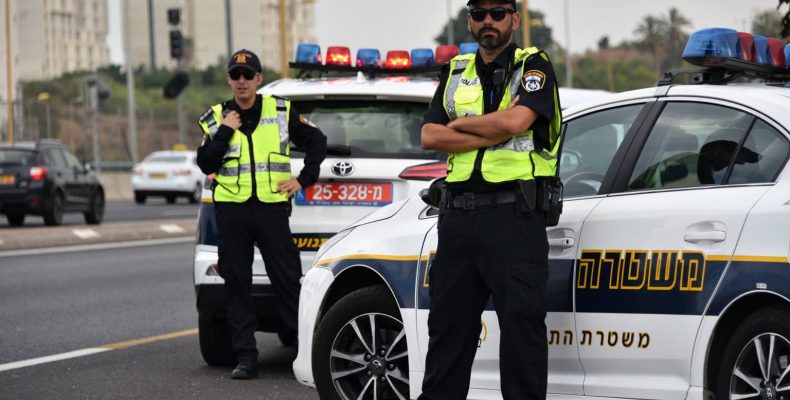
[497, 114]
[247, 147]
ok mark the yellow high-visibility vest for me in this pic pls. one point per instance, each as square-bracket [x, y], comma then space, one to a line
[270, 143]
[514, 159]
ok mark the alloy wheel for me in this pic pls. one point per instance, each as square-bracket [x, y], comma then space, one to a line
[762, 370]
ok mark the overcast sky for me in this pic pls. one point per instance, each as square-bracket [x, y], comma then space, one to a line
[407, 24]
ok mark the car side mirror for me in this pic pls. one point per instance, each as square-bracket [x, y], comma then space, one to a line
[87, 167]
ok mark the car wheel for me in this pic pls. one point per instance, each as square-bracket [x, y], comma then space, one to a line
[360, 349]
[170, 199]
[139, 198]
[215, 345]
[196, 194]
[15, 219]
[54, 216]
[756, 361]
[95, 215]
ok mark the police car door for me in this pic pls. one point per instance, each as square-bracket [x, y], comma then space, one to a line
[652, 254]
[592, 141]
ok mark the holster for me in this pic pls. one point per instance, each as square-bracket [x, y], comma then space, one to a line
[550, 198]
[527, 197]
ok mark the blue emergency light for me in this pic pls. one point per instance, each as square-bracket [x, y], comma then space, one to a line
[712, 42]
[787, 55]
[422, 58]
[468, 48]
[368, 58]
[308, 53]
[762, 54]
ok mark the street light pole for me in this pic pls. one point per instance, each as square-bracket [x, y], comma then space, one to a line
[283, 46]
[130, 99]
[450, 35]
[525, 25]
[9, 83]
[568, 61]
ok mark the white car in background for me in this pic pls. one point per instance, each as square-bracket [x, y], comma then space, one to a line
[168, 174]
[669, 275]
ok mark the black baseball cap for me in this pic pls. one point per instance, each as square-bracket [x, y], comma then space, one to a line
[244, 59]
[512, 3]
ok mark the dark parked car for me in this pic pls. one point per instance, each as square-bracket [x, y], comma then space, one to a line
[46, 179]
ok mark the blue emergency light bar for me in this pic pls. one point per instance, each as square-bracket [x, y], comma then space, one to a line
[468, 48]
[761, 53]
[712, 42]
[308, 53]
[368, 58]
[422, 58]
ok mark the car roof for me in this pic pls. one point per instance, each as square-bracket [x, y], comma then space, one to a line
[27, 145]
[392, 88]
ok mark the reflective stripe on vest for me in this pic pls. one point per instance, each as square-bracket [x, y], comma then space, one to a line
[271, 154]
[513, 159]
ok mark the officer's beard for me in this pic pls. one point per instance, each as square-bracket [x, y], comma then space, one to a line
[497, 41]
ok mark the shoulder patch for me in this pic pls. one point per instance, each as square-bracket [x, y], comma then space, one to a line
[533, 80]
[306, 121]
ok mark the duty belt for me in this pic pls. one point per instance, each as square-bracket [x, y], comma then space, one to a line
[470, 201]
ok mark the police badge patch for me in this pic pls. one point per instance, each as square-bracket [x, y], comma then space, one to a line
[533, 80]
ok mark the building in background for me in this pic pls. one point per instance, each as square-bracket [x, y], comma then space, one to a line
[50, 38]
[254, 25]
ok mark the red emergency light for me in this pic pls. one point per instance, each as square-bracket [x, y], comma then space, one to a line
[338, 55]
[445, 53]
[398, 59]
[777, 50]
[747, 46]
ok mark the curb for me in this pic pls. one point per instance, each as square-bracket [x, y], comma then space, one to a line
[47, 237]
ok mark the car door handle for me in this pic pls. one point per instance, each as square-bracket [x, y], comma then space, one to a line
[562, 243]
[713, 236]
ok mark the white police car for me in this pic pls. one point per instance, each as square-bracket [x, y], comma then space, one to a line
[669, 272]
[372, 120]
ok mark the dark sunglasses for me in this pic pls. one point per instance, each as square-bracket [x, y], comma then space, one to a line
[497, 13]
[237, 73]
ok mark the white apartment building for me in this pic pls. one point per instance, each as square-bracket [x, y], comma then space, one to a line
[49, 38]
[254, 25]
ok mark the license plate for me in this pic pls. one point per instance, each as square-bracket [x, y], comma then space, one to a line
[157, 175]
[345, 194]
[7, 179]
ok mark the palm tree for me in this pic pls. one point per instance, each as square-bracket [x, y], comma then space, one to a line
[676, 36]
[652, 32]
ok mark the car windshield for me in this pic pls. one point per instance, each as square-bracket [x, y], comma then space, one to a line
[372, 129]
[17, 157]
[166, 159]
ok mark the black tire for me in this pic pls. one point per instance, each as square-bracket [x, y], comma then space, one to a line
[170, 199]
[15, 219]
[215, 345]
[767, 328]
[288, 339]
[196, 194]
[139, 198]
[371, 309]
[95, 215]
[54, 216]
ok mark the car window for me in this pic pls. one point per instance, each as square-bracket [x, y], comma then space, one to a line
[171, 159]
[589, 146]
[691, 144]
[71, 160]
[11, 157]
[761, 156]
[373, 129]
[54, 158]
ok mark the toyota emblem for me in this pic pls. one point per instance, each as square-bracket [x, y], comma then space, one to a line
[342, 168]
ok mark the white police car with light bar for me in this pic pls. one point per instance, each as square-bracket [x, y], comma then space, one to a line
[669, 272]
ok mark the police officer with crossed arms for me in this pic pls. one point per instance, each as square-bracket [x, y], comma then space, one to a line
[497, 114]
[247, 148]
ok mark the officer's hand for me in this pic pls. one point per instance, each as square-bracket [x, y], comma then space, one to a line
[289, 187]
[514, 102]
[232, 120]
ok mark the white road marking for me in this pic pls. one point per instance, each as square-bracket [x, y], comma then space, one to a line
[49, 359]
[171, 228]
[85, 233]
[94, 350]
[98, 246]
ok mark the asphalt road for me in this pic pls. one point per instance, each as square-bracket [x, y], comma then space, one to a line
[120, 211]
[107, 299]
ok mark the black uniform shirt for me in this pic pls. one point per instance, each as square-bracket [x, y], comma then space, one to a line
[536, 91]
[301, 132]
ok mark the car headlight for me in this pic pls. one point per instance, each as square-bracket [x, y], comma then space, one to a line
[329, 243]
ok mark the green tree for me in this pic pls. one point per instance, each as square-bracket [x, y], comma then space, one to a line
[652, 33]
[767, 23]
[540, 33]
[676, 38]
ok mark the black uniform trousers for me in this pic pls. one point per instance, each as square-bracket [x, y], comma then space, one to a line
[240, 226]
[485, 252]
